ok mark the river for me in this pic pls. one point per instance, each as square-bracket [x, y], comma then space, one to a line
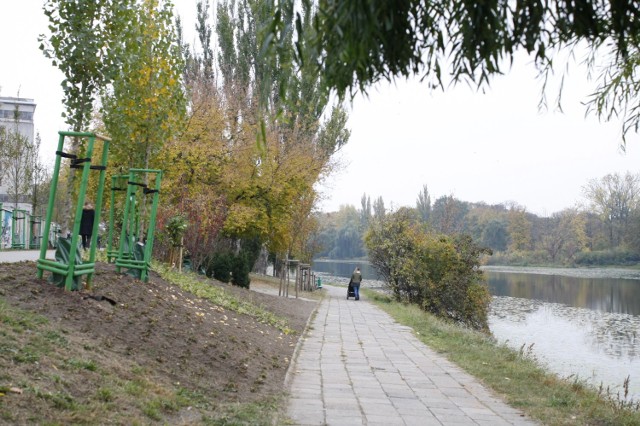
[578, 323]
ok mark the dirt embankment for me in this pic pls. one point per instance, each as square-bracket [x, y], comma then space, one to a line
[128, 351]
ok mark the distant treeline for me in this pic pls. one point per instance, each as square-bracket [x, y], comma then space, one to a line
[605, 231]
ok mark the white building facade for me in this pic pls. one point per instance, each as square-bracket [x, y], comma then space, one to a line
[16, 115]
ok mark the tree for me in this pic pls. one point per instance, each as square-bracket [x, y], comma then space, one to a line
[85, 45]
[257, 168]
[447, 214]
[617, 93]
[365, 211]
[378, 208]
[356, 44]
[270, 181]
[364, 42]
[423, 204]
[439, 273]
[519, 228]
[614, 197]
[495, 235]
[39, 178]
[348, 242]
[145, 105]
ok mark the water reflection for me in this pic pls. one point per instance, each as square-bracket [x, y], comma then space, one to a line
[340, 271]
[601, 294]
[596, 346]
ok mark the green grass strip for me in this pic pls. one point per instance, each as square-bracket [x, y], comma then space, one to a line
[194, 284]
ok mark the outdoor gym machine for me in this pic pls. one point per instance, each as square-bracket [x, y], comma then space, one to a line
[19, 229]
[131, 236]
[118, 183]
[75, 268]
[35, 232]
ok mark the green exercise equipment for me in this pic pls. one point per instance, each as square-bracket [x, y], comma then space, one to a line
[35, 232]
[135, 248]
[72, 268]
[118, 184]
[19, 229]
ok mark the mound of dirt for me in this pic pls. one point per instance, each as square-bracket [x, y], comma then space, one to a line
[178, 338]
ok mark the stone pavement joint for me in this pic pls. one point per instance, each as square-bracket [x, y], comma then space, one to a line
[356, 366]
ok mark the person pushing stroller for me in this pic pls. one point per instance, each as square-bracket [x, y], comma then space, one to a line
[356, 280]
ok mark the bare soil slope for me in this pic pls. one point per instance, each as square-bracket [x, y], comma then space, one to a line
[132, 352]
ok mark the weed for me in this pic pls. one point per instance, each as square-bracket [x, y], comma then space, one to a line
[105, 394]
[81, 364]
[26, 355]
[55, 338]
[134, 388]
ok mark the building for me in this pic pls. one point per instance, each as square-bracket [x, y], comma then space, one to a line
[16, 114]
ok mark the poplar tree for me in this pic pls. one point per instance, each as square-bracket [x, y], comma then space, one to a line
[144, 107]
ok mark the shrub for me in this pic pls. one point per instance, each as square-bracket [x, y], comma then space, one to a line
[226, 267]
[439, 273]
[240, 270]
[220, 266]
[607, 257]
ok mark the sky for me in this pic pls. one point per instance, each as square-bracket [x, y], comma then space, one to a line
[493, 146]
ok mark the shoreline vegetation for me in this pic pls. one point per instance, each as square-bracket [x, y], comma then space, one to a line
[516, 376]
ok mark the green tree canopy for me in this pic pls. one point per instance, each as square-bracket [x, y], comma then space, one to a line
[357, 43]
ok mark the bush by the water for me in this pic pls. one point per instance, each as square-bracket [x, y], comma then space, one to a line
[607, 257]
[439, 273]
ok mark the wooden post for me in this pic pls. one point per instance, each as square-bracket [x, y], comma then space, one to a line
[180, 255]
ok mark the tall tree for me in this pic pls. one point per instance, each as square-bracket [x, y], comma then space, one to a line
[519, 228]
[495, 235]
[423, 204]
[297, 141]
[145, 106]
[365, 211]
[379, 210]
[447, 214]
[84, 44]
[356, 44]
[39, 177]
[614, 197]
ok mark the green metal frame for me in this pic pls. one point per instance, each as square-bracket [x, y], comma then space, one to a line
[35, 232]
[118, 183]
[19, 233]
[73, 269]
[131, 231]
[2, 220]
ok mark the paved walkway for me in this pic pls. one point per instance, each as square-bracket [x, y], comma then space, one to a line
[356, 366]
[7, 256]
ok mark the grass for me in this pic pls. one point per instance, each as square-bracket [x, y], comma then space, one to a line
[195, 285]
[514, 375]
[122, 394]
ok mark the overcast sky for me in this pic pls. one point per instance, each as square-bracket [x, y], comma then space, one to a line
[493, 147]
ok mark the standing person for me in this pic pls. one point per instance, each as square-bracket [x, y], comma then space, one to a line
[356, 279]
[86, 224]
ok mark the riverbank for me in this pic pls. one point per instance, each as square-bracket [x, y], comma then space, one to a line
[515, 375]
[617, 272]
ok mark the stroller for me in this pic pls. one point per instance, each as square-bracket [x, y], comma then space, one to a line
[350, 291]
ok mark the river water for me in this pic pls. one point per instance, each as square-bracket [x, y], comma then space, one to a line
[579, 323]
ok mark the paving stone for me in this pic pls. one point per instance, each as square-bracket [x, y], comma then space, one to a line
[357, 366]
